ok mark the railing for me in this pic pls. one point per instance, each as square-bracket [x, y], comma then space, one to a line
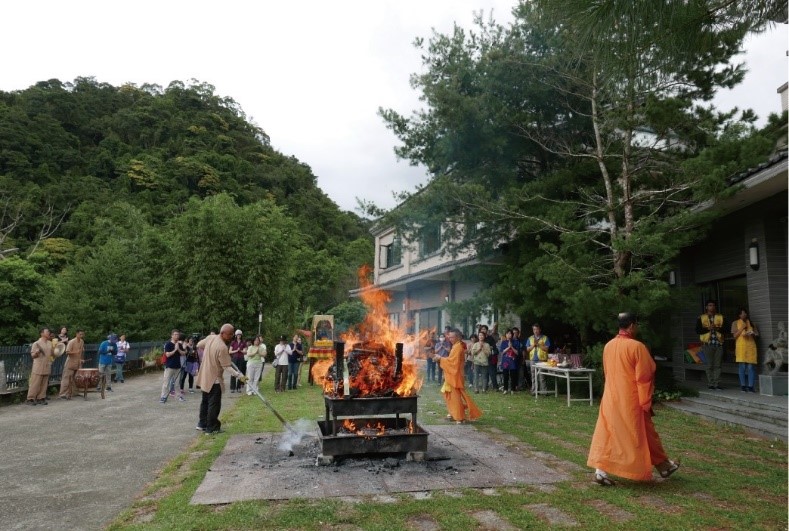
[17, 363]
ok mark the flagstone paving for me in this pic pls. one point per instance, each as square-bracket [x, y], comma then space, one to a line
[252, 467]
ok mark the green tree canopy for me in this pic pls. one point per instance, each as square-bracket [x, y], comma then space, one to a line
[144, 208]
[565, 141]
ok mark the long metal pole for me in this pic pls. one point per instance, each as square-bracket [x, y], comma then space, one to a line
[251, 388]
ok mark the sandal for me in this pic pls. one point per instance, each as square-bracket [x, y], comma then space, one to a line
[673, 467]
[604, 481]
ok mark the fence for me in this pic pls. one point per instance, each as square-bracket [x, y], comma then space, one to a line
[16, 363]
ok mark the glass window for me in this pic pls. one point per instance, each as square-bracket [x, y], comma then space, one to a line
[430, 239]
[391, 255]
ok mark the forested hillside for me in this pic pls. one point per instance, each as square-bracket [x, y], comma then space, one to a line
[139, 208]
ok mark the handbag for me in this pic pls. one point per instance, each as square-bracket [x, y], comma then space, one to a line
[120, 359]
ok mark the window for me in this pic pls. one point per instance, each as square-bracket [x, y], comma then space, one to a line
[430, 239]
[390, 255]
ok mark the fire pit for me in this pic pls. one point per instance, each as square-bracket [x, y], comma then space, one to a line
[365, 395]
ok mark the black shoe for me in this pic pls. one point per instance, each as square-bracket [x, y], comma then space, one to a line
[214, 432]
[751, 390]
[743, 389]
[719, 388]
[109, 389]
[43, 402]
[30, 402]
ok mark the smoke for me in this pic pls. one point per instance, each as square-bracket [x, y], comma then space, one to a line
[295, 432]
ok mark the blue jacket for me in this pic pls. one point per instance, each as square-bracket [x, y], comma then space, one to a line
[107, 351]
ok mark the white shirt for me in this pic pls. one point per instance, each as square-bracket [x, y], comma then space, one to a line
[281, 353]
[123, 348]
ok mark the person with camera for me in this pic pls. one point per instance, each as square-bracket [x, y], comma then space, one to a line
[210, 378]
[172, 364]
[189, 365]
[238, 348]
[294, 361]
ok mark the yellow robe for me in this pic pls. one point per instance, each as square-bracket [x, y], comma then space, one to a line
[625, 442]
[454, 388]
[744, 346]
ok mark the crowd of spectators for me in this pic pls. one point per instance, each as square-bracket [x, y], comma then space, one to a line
[493, 362]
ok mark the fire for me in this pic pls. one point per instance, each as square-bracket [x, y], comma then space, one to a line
[370, 353]
[368, 429]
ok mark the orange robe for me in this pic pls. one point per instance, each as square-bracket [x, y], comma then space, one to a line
[625, 442]
[455, 395]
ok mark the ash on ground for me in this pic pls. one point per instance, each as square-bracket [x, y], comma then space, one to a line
[252, 467]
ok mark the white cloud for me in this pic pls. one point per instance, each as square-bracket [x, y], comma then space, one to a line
[311, 73]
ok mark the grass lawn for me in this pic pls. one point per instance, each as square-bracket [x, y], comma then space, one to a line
[728, 479]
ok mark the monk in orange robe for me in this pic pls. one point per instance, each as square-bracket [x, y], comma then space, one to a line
[625, 442]
[454, 388]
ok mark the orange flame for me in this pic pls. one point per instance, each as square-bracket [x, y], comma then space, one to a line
[369, 429]
[319, 372]
[370, 351]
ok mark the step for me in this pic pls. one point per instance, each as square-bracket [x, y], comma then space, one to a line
[771, 403]
[764, 429]
[744, 409]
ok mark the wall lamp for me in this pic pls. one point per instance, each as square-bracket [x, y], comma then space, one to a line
[753, 254]
[672, 278]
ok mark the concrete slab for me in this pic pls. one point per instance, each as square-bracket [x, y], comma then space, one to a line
[251, 467]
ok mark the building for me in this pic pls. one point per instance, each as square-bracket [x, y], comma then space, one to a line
[421, 279]
[741, 263]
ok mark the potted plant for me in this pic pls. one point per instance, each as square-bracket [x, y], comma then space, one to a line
[151, 358]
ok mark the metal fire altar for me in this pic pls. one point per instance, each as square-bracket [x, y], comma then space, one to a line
[370, 407]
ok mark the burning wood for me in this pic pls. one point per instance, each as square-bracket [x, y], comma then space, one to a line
[372, 428]
[369, 384]
[375, 365]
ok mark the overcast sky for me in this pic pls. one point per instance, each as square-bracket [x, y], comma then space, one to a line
[311, 73]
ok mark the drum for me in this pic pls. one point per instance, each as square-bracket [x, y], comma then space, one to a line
[86, 379]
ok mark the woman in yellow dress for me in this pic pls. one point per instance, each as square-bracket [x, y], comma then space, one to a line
[745, 349]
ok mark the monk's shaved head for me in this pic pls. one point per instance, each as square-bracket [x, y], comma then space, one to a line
[226, 332]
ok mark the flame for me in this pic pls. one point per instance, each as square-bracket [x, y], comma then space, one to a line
[368, 429]
[320, 371]
[370, 352]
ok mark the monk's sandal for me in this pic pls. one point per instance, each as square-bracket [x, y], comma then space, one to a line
[604, 481]
[670, 469]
